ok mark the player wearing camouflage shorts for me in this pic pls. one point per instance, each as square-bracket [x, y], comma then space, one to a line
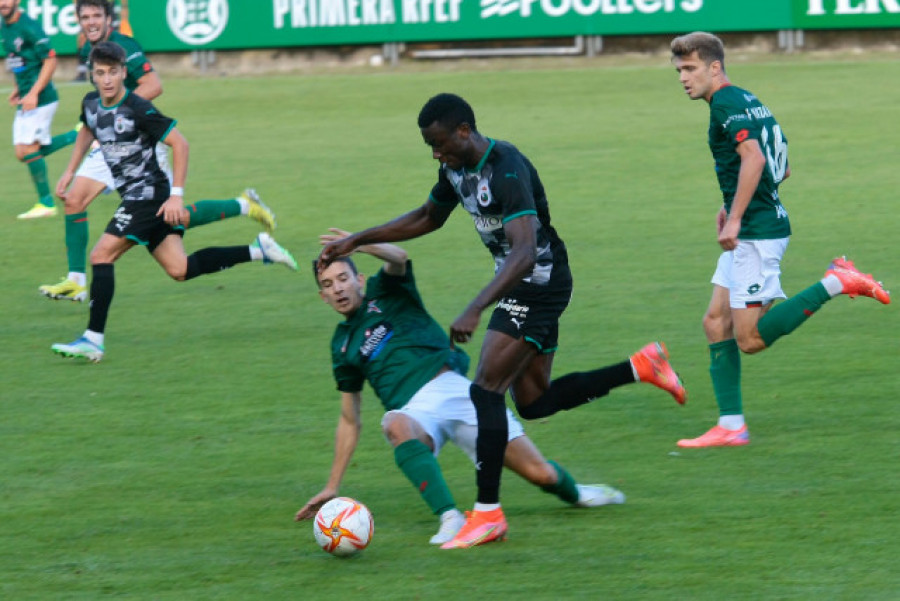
[750, 151]
[32, 60]
[128, 129]
[501, 190]
[94, 178]
[389, 340]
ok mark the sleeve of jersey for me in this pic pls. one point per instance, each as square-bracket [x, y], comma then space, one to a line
[347, 378]
[443, 194]
[511, 185]
[150, 120]
[383, 284]
[41, 41]
[737, 125]
[137, 63]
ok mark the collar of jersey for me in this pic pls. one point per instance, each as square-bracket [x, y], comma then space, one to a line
[109, 108]
[484, 157]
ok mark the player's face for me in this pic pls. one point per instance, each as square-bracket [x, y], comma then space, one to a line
[95, 24]
[450, 146]
[8, 8]
[341, 288]
[109, 81]
[697, 78]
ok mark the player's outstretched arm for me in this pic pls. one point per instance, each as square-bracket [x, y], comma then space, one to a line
[418, 222]
[393, 256]
[345, 440]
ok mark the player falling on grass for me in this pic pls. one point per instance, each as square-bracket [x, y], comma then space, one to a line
[32, 61]
[152, 212]
[389, 340]
[94, 177]
[750, 153]
[530, 289]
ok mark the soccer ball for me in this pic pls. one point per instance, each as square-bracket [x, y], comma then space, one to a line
[343, 527]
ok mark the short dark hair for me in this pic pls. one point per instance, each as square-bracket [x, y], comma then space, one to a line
[106, 5]
[347, 260]
[449, 110]
[107, 53]
[709, 48]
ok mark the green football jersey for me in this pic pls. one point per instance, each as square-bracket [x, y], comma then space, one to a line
[392, 342]
[736, 115]
[26, 47]
[136, 62]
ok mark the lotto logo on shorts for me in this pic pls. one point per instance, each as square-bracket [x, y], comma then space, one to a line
[753, 289]
[122, 219]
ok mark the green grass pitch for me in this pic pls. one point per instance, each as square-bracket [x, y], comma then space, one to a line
[172, 470]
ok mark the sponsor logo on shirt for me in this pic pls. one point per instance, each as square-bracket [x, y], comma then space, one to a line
[375, 339]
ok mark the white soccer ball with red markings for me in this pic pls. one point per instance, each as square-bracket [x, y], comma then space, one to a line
[343, 527]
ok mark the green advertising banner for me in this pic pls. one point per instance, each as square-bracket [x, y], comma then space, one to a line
[843, 14]
[184, 25]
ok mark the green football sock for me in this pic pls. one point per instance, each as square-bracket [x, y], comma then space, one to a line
[77, 241]
[60, 141]
[787, 316]
[209, 211]
[725, 370]
[418, 464]
[565, 487]
[38, 169]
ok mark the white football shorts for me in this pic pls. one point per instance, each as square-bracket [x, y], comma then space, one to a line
[444, 410]
[94, 167]
[752, 272]
[34, 125]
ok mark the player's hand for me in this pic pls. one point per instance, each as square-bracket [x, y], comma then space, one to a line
[337, 248]
[173, 211]
[308, 511]
[63, 184]
[29, 102]
[721, 218]
[464, 326]
[14, 99]
[335, 235]
[728, 236]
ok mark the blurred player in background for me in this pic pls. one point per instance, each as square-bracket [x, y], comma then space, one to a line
[751, 160]
[389, 340]
[531, 288]
[120, 22]
[32, 61]
[152, 212]
[94, 177]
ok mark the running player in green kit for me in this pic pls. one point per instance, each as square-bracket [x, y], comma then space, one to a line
[751, 160]
[32, 61]
[94, 177]
[389, 340]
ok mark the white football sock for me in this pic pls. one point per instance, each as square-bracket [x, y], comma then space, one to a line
[94, 337]
[731, 422]
[832, 285]
[78, 278]
[486, 506]
[245, 206]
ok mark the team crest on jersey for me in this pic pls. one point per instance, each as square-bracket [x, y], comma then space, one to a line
[375, 339]
[484, 193]
[123, 124]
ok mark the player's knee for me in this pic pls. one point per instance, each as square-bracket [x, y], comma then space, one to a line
[75, 203]
[716, 325]
[530, 412]
[396, 428]
[750, 343]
